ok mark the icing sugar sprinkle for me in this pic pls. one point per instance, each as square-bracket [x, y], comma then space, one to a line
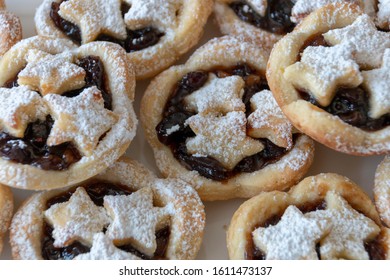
[293, 238]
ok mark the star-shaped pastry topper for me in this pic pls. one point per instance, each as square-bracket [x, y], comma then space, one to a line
[158, 13]
[268, 120]
[20, 106]
[350, 230]
[294, 237]
[222, 138]
[322, 70]
[383, 15]
[368, 44]
[95, 18]
[76, 220]
[376, 82]
[135, 220]
[104, 249]
[218, 95]
[48, 73]
[81, 119]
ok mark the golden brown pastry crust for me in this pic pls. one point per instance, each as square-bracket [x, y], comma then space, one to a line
[382, 190]
[311, 190]
[121, 82]
[6, 211]
[310, 119]
[10, 29]
[193, 16]
[187, 218]
[220, 52]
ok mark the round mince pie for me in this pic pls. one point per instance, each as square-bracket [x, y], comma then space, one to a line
[382, 190]
[6, 211]
[323, 217]
[154, 33]
[124, 213]
[214, 123]
[10, 29]
[267, 21]
[331, 79]
[65, 112]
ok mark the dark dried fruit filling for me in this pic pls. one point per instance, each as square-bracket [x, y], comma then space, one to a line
[350, 104]
[374, 248]
[176, 114]
[97, 191]
[136, 39]
[32, 148]
[276, 19]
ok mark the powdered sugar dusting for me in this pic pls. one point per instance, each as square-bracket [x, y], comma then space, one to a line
[293, 238]
[383, 15]
[95, 17]
[18, 107]
[77, 219]
[350, 230]
[82, 119]
[377, 84]
[104, 249]
[223, 138]
[364, 38]
[323, 69]
[268, 120]
[218, 95]
[48, 73]
[160, 13]
[134, 218]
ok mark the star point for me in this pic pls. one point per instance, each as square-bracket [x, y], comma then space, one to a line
[81, 119]
[268, 121]
[294, 237]
[20, 106]
[95, 18]
[48, 73]
[135, 220]
[76, 220]
[223, 138]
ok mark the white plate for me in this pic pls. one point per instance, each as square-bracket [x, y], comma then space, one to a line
[218, 214]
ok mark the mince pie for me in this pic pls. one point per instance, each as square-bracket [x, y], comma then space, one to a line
[124, 213]
[10, 29]
[382, 190]
[267, 21]
[214, 123]
[323, 217]
[331, 78]
[6, 211]
[154, 33]
[65, 112]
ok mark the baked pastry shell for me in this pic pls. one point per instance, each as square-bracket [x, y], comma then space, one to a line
[151, 61]
[382, 190]
[323, 127]
[121, 81]
[221, 52]
[309, 191]
[186, 225]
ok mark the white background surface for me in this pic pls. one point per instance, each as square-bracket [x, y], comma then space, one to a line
[218, 214]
